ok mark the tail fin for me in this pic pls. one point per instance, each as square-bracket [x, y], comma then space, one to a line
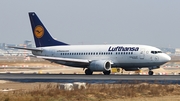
[42, 37]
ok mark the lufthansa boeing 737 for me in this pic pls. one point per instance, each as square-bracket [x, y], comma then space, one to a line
[94, 58]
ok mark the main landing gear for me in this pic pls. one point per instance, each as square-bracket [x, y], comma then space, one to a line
[89, 72]
[107, 72]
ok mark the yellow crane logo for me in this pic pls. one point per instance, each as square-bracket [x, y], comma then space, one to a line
[39, 31]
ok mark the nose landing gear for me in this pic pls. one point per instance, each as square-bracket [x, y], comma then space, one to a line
[150, 72]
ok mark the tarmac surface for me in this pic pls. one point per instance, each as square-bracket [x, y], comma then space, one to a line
[23, 69]
[97, 78]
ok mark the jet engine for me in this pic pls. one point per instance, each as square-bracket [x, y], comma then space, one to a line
[100, 65]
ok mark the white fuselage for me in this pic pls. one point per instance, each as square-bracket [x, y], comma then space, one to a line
[120, 55]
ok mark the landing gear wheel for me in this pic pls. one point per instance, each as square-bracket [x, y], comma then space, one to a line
[107, 72]
[150, 72]
[88, 72]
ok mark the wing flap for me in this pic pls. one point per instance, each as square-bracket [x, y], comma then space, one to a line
[64, 59]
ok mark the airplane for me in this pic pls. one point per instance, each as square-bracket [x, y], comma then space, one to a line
[93, 58]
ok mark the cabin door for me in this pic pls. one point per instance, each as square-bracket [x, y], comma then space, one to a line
[142, 54]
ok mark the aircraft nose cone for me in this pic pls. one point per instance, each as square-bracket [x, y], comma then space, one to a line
[167, 58]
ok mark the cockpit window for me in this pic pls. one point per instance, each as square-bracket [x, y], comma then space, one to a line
[156, 52]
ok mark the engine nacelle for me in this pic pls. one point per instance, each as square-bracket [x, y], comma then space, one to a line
[100, 65]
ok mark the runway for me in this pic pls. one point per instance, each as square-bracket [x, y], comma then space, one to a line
[97, 78]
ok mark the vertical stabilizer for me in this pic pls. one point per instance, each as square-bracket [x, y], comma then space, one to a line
[42, 37]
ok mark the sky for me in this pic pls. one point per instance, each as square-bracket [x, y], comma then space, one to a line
[148, 22]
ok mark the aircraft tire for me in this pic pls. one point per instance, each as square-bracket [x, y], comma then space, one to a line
[107, 72]
[150, 72]
[88, 72]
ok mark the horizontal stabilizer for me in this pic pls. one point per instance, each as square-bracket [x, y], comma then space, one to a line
[31, 49]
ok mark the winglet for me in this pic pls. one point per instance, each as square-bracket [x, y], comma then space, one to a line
[41, 35]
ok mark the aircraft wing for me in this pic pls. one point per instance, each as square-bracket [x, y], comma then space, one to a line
[31, 49]
[64, 59]
[54, 58]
